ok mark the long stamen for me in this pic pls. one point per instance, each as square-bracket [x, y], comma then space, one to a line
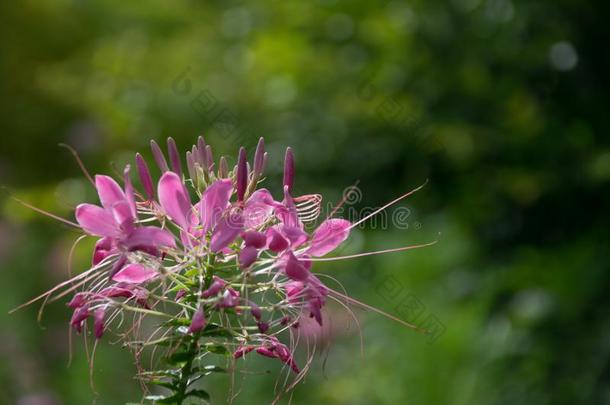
[378, 252]
[58, 287]
[79, 161]
[377, 211]
[346, 197]
[379, 311]
[41, 211]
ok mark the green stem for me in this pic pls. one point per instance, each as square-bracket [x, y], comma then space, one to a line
[187, 371]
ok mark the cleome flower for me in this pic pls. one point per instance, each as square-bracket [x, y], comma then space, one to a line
[220, 264]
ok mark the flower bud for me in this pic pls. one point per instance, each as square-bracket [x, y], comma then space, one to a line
[201, 147]
[255, 311]
[209, 157]
[174, 156]
[158, 155]
[259, 158]
[289, 169]
[190, 165]
[242, 174]
[198, 322]
[263, 327]
[223, 168]
[145, 177]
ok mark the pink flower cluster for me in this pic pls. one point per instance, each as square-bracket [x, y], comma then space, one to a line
[211, 245]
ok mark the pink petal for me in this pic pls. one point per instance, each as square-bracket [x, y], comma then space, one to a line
[276, 240]
[258, 208]
[98, 322]
[78, 300]
[109, 191]
[242, 351]
[96, 220]
[265, 352]
[174, 199]
[287, 212]
[230, 298]
[214, 202]
[78, 318]
[217, 285]
[330, 234]
[103, 248]
[134, 274]
[198, 322]
[254, 239]
[294, 270]
[150, 236]
[294, 234]
[129, 193]
[123, 215]
[118, 290]
[247, 256]
[294, 290]
[229, 227]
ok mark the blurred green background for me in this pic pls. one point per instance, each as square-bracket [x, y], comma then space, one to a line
[501, 104]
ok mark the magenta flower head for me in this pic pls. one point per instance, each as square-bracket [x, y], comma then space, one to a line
[219, 264]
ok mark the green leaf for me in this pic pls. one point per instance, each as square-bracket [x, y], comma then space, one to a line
[177, 322]
[180, 357]
[216, 349]
[164, 384]
[214, 369]
[163, 400]
[192, 272]
[160, 373]
[213, 329]
[198, 394]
